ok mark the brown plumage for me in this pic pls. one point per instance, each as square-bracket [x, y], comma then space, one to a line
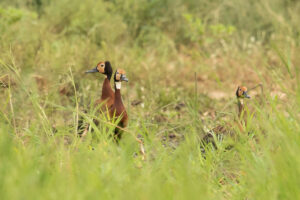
[118, 109]
[107, 96]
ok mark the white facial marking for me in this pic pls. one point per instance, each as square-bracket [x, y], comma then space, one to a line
[242, 101]
[118, 85]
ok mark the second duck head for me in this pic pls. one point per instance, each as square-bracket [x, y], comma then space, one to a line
[120, 75]
[103, 68]
[241, 92]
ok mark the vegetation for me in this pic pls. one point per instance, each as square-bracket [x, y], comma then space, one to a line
[184, 60]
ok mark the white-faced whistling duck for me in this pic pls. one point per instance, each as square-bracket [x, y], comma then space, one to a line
[107, 96]
[241, 94]
[219, 131]
[118, 109]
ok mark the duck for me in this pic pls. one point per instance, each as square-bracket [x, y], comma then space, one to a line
[107, 96]
[241, 94]
[219, 131]
[118, 109]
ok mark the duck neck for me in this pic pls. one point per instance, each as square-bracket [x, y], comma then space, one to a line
[240, 106]
[118, 98]
[106, 89]
[118, 86]
[109, 76]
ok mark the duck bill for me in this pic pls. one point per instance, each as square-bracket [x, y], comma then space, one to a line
[92, 70]
[123, 78]
[246, 95]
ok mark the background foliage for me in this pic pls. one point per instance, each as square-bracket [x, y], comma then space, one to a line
[184, 60]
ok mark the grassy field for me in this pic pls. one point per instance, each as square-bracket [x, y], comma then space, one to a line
[184, 60]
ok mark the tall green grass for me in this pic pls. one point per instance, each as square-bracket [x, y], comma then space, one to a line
[45, 46]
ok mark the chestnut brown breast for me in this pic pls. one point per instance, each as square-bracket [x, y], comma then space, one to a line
[107, 96]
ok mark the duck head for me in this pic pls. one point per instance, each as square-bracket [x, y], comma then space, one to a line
[120, 75]
[103, 68]
[241, 92]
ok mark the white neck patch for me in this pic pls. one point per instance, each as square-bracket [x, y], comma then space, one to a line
[118, 85]
[242, 101]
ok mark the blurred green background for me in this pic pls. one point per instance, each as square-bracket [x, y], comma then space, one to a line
[184, 60]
